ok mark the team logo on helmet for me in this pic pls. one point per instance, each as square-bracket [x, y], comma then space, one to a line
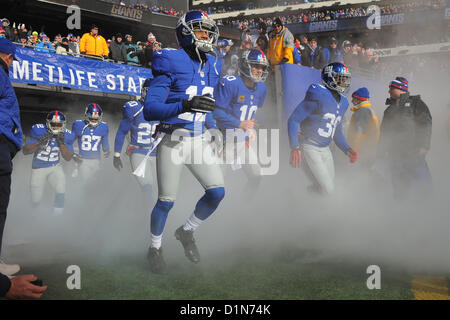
[56, 122]
[193, 21]
[249, 62]
[93, 114]
[337, 77]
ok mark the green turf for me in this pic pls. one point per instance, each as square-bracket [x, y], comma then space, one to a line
[286, 275]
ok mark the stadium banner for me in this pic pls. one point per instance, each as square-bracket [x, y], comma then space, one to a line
[77, 73]
[361, 22]
[297, 79]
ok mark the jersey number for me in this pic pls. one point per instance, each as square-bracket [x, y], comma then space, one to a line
[248, 113]
[51, 154]
[145, 136]
[90, 143]
[192, 91]
[331, 125]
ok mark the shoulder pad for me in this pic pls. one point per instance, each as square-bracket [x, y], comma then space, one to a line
[163, 60]
[131, 109]
[314, 91]
[38, 130]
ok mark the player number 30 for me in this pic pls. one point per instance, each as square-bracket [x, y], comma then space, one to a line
[331, 123]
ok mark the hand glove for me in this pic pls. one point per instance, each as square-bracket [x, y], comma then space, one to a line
[60, 138]
[77, 159]
[284, 60]
[117, 163]
[296, 158]
[45, 138]
[106, 154]
[352, 155]
[204, 104]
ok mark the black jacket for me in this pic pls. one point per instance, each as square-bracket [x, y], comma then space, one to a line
[315, 60]
[405, 129]
[119, 51]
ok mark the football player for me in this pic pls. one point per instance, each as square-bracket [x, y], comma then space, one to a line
[91, 133]
[47, 142]
[237, 100]
[141, 142]
[320, 118]
[180, 96]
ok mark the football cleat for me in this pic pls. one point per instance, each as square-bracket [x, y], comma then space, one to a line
[186, 237]
[156, 261]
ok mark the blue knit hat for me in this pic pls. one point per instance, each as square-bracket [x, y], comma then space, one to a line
[361, 94]
[400, 83]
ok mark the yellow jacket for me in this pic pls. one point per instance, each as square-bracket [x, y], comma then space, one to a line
[281, 46]
[94, 45]
[364, 131]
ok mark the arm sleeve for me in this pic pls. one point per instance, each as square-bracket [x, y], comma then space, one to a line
[362, 120]
[303, 110]
[222, 112]
[33, 137]
[423, 125]
[340, 139]
[155, 108]
[69, 139]
[106, 140]
[210, 122]
[5, 285]
[124, 127]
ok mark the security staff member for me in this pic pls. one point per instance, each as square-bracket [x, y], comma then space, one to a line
[405, 136]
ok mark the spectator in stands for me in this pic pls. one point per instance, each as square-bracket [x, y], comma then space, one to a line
[131, 48]
[347, 54]
[73, 44]
[140, 54]
[368, 60]
[23, 31]
[23, 41]
[332, 53]
[246, 41]
[313, 55]
[151, 39]
[15, 35]
[7, 28]
[93, 44]
[262, 44]
[57, 41]
[119, 50]
[262, 30]
[281, 45]
[45, 45]
[64, 48]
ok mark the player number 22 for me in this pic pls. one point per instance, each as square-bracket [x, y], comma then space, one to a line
[51, 154]
[331, 125]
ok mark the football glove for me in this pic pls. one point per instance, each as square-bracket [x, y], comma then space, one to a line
[106, 154]
[45, 139]
[204, 104]
[60, 138]
[117, 163]
[352, 155]
[77, 159]
[296, 158]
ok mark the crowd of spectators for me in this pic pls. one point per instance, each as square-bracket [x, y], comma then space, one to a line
[326, 14]
[119, 48]
[151, 8]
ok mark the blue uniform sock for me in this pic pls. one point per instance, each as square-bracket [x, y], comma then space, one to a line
[159, 217]
[209, 203]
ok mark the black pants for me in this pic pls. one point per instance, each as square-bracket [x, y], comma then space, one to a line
[7, 152]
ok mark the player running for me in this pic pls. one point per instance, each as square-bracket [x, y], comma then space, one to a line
[180, 96]
[320, 118]
[141, 132]
[91, 133]
[237, 100]
[47, 142]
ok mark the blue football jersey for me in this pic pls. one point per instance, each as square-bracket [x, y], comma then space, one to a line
[90, 139]
[236, 102]
[320, 118]
[141, 130]
[49, 155]
[176, 78]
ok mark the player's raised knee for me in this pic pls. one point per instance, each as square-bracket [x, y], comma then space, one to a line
[215, 195]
